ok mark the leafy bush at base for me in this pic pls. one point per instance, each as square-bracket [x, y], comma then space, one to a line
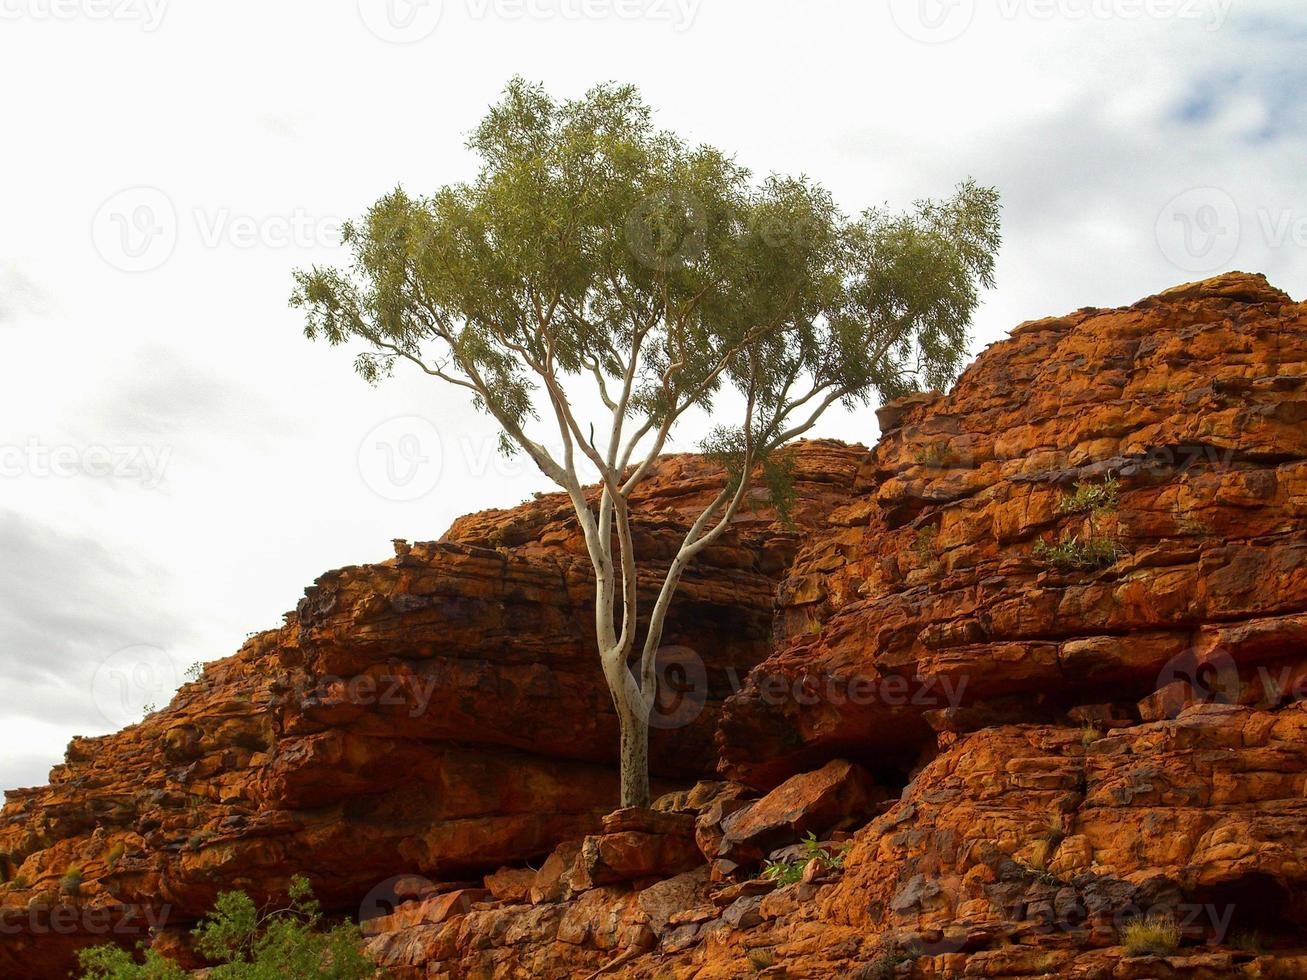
[251, 945]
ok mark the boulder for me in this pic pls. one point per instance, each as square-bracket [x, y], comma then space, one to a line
[838, 794]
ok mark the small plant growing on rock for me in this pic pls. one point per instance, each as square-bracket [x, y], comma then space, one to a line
[114, 855]
[1057, 828]
[762, 957]
[1158, 935]
[194, 671]
[1089, 735]
[934, 455]
[1073, 554]
[1090, 498]
[71, 883]
[789, 872]
[925, 545]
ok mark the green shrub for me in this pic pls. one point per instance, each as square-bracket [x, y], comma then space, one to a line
[1155, 936]
[788, 872]
[1073, 554]
[1091, 498]
[71, 883]
[925, 545]
[934, 455]
[116, 963]
[251, 945]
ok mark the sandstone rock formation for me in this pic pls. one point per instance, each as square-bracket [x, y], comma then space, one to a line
[927, 606]
[441, 713]
[1037, 671]
[1106, 728]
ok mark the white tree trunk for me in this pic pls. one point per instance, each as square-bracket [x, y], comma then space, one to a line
[633, 719]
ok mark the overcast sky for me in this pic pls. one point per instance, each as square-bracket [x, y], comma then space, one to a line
[177, 462]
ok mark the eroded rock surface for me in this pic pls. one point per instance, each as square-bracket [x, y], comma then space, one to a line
[441, 713]
[929, 606]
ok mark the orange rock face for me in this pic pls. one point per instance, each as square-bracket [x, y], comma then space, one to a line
[971, 583]
[1104, 729]
[442, 713]
[1037, 673]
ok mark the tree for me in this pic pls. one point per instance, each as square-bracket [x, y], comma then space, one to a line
[612, 278]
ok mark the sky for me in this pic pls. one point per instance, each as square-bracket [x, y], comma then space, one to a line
[177, 462]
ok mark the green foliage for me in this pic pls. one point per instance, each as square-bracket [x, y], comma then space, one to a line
[1155, 936]
[589, 236]
[1089, 735]
[115, 963]
[71, 882]
[251, 945]
[925, 545]
[194, 671]
[784, 872]
[934, 455]
[1092, 498]
[1073, 554]
[115, 854]
[788, 872]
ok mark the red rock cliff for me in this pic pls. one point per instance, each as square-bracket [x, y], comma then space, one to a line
[439, 713]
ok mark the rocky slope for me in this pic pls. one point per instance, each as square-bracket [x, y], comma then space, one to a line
[930, 606]
[1037, 671]
[439, 713]
[1103, 729]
